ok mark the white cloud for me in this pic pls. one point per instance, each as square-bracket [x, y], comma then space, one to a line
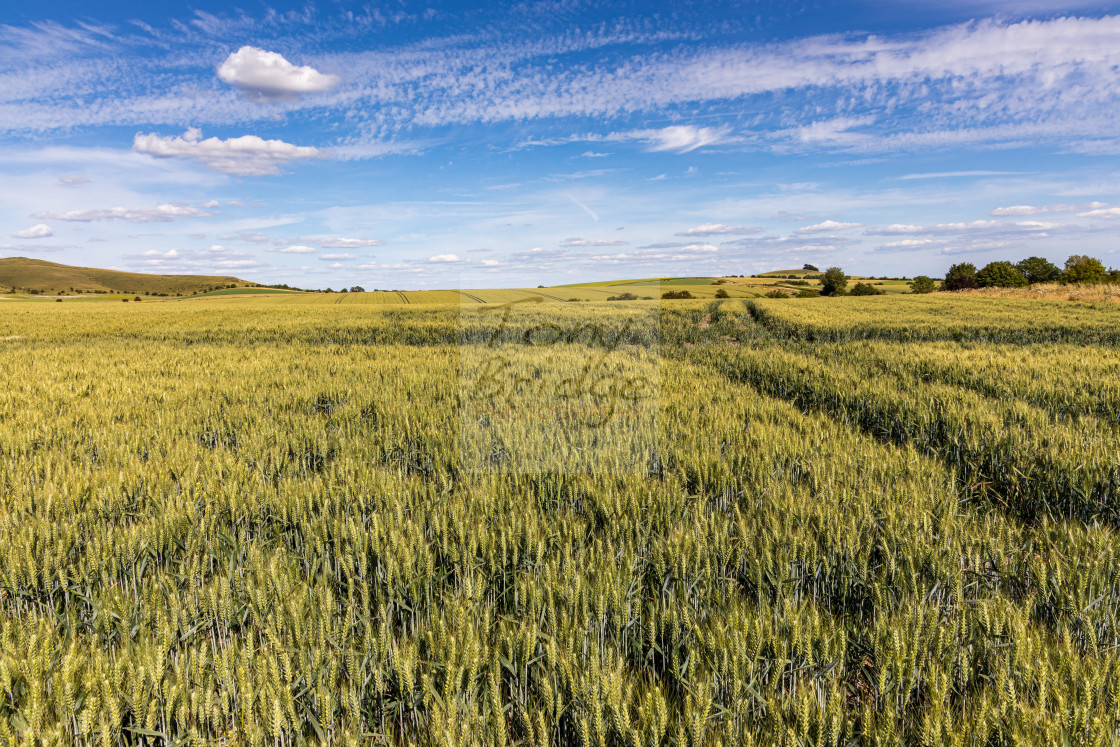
[38, 231]
[1018, 210]
[445, 258]
[267, 76]
[1101, 213]
[678, 138]
[296, 249]
[828, 225]
[341, 243]
[158, 214]
[73, 181]
[248, 155]
[956, 174]
[588, 242]
[490, 263]
[972, 226]
[718, 229]
[327, 257]
[211, 204]
[217, 248]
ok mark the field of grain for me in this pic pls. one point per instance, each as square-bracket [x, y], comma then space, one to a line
[886, 520]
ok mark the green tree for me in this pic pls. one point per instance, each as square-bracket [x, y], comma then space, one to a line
[810, 268]
[834, 282]
[722, 293]
[866, 289]
[1000, 275]
[923, 284]
[1083, 269]
[1038, 270]
[960, 277]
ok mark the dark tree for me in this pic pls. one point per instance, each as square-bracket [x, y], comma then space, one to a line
[810, 268]
[1083, 269]
[834, 282]
[1038, 270]
[960, 277]
[866, 289]
[922, 284]
[1000, 275]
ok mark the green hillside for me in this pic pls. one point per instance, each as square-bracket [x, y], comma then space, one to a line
[36, 275]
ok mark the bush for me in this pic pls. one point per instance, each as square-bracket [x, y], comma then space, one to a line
[777, 294]
[722, 293]
[834, 282]
[960, 277]
[1083, 269]
[674, 295]
[810, 268]
[866, 289]
[922, 284]
[808, 294]
[1038, 270]
[137, 298]
[1000, 275]
[623, 297]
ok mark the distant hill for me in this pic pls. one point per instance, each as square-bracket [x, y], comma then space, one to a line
[787, 273]
[49, 277]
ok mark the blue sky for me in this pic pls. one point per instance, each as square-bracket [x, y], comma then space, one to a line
[411, 145]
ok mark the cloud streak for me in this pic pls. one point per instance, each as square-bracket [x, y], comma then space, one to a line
[248, 155]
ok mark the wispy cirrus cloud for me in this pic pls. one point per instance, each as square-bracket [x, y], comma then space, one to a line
[159, 214]
[1052, 80]
[576, 241]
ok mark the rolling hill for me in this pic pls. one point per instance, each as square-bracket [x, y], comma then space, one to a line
[27, 275]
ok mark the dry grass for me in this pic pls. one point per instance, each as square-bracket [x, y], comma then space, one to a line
[1054, 292]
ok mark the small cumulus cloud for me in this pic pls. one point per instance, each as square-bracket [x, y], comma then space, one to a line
[268, 76]
[1019, 210]
[328, 257]
[1101, 213]
[296, 249]
[445, 258]
[718, 229]
[828, 225]
[248, 155]
[38, 231]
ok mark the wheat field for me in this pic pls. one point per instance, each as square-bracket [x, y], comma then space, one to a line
[881, 521]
